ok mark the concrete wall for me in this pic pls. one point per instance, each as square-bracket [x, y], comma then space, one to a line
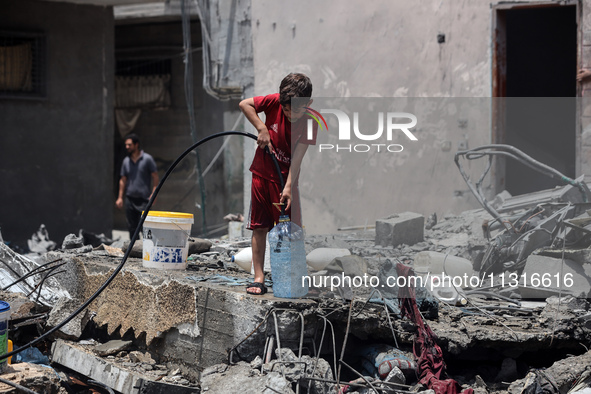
[384, 48]
[56, 152]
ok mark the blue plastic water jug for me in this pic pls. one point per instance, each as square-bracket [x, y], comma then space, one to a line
[288, 259]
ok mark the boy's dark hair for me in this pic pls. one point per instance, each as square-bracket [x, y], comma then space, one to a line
[133, 137]
[295, 85]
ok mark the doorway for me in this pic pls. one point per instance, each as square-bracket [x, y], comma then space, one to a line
[534, 80]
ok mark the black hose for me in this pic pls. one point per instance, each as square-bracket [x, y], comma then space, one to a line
[131, 242]
[278, 169]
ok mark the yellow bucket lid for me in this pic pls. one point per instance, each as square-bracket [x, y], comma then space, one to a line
[165, 214]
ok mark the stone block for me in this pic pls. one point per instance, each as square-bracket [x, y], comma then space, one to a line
[351, 265]
[112, 347]
[544, 276]
[197, 245]
[404, 228]
[62, 309]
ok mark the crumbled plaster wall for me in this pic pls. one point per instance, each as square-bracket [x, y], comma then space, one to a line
[384, 48]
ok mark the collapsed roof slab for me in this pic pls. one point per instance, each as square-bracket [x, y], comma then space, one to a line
[179, 316]
[190, 322]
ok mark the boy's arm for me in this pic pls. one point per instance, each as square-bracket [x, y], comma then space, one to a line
[294, 172]
[248, 109]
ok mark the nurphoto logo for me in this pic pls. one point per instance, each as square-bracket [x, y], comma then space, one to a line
[393, 123]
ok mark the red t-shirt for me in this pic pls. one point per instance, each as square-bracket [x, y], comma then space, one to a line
[282, 133]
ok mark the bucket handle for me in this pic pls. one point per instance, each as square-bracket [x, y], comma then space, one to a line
[180, 228]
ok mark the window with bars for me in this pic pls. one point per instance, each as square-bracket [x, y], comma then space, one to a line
[22, 64]
[142, 83]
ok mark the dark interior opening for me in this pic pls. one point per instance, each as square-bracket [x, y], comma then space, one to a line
[540, 117]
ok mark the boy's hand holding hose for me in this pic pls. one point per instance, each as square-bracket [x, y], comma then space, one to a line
[264, 139]
[285, 201]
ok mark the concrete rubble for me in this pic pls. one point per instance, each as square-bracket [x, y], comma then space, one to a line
[519, 327]
[40, 379]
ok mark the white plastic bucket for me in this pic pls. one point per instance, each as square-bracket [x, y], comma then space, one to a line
[165, 239]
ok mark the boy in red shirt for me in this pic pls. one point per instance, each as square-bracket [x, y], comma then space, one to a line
[283, 124]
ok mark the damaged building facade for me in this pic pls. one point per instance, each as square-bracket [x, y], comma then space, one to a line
[383, 49]
[461, 68]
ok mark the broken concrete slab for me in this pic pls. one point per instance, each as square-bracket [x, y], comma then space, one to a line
[241, 378]
[225, 315]
[150, 304]
[350, 265]
[38, 378]
[112, 347]
[189, 323]
[561, 375]
[544, 276]
[137, 250]
[139, 357]
[198, 245]
[62, 309]
[20, 306]
[82, 249]
[404, 228]
[116, 377]
[278, 375]
[72, 241]
[15, 266]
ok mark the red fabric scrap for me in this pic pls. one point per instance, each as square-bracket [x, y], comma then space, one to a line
[430, 358]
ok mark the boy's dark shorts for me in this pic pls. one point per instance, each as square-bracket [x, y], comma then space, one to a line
[263, 214]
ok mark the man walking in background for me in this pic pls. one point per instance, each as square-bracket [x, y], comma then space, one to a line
[139, 178]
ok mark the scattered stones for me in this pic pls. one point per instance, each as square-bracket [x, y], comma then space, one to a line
[35, 377]
[112, 347]
[197, 245]
[137, 250]
[351, 265]
[139, 357]
[72, 241]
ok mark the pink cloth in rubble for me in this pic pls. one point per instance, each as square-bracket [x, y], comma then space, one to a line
[430, 358]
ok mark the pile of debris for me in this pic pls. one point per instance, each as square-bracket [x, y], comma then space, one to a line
[500, 303]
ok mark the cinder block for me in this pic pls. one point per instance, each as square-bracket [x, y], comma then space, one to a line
[404, 228]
